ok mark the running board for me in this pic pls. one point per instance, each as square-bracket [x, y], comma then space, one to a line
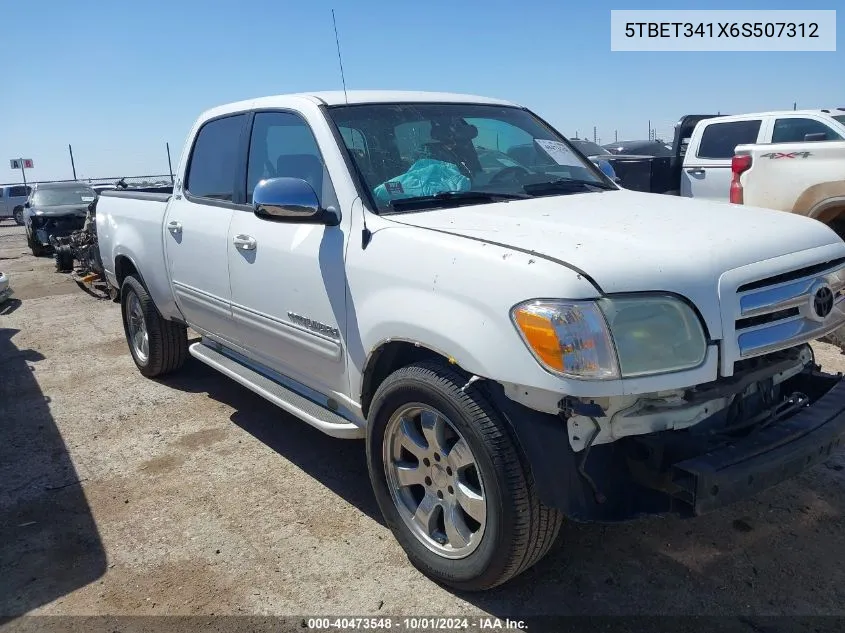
[328, 422]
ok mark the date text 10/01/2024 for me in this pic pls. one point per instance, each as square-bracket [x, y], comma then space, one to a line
[414, 624]
[722, 29]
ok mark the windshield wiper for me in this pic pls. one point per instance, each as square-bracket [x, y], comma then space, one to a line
[453, 198]
[564, 185]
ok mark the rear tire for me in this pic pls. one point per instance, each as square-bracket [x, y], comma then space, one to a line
[158, 346]
[515, 530]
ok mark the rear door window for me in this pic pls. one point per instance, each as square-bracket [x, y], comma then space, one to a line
[795, 129]
[214, 159]
[18, 192]
[719, 140]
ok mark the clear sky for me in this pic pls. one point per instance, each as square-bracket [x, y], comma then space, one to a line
[119, 79]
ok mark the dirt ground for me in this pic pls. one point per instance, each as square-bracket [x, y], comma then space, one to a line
[191, 495]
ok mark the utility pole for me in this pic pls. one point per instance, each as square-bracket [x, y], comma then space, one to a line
[615, 136]
[72, 165]
[794, 105]
[594, 134]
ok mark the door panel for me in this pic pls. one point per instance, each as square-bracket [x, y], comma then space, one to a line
[197, 228]
[196, 239]
[287, 279]
[706, 172]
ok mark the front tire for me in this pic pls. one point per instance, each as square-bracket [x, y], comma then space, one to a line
[451, 482]
[158, 346]
[64, 259]
[37, 249]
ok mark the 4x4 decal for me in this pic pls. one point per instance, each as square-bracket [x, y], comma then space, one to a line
[773, 155]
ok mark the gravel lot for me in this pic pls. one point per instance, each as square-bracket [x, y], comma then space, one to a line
[191, 495]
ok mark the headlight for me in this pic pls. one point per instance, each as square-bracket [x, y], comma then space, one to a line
[568, 338]
[612, 338]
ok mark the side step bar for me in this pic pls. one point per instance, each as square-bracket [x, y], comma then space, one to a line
[328, 422]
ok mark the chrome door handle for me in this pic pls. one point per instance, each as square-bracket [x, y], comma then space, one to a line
[244, 242]
[174, 226]
[695, 170]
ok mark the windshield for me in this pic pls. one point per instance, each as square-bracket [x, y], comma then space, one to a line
[840, 118]
[433, 150]
[65, 195]
[589, 148]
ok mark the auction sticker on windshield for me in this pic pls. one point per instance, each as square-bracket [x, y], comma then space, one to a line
[559, 152]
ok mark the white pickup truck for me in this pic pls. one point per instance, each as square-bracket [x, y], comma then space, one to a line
[517, 344]
[801, 169]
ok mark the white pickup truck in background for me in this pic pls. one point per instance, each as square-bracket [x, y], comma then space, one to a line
[708, 163]
[804, 176]
[518, 342]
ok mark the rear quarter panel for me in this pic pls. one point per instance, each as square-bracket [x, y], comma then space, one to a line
[795, 177]
[133, 228]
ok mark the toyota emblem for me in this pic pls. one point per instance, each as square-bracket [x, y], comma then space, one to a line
[823, 302]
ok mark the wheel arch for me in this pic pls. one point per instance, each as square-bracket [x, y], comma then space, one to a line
[123, 267]
[390, 355]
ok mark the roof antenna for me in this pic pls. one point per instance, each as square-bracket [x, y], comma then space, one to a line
[366, 234]
[339, 59]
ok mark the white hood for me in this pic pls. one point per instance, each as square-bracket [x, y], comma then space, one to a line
[628, 241]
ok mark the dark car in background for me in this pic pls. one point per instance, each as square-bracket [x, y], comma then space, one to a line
[55, 210]
[639, 148]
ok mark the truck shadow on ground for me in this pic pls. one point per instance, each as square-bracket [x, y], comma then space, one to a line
[770, 555]
[345, 473]
[774, 554]
[49, 543]
[9, 306]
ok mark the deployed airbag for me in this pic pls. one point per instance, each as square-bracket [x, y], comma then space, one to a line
[426, 177]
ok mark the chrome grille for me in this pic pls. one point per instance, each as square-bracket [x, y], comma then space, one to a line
[806, 305]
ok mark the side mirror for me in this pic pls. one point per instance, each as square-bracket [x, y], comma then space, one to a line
[816, 136]
[290, 200]
[27, 205]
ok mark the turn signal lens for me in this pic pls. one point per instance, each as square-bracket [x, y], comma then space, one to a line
[568, 338]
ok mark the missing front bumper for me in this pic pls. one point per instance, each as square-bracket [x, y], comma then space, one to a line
[46, 228]
[767, 457]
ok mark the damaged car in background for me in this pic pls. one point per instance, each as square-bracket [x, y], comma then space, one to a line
[55, 210]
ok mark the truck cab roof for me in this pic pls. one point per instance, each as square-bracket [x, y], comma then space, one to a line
[352, 97]
[829, 112]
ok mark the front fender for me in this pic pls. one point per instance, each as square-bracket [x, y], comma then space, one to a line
[454, 296]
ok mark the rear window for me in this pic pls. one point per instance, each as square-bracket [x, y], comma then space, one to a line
[840, 118]
[794, 129]
[211, 173]
[720, 139]
[18, 192]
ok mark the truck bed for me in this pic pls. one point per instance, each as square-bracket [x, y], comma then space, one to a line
[130, 229]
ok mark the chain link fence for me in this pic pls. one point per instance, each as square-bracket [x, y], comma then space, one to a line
[159, 180]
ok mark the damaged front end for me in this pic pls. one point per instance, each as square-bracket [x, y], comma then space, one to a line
[47, 227]
[80, 245]
[685, 452]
